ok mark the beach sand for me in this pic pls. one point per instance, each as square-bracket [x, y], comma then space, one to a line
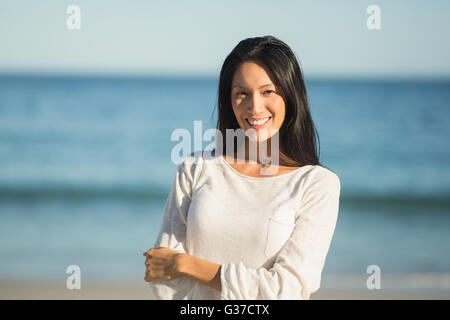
[138, 290]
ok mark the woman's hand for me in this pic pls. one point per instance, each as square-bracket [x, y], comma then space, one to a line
[161, 264]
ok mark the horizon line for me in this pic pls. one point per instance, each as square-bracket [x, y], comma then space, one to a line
[211, 76]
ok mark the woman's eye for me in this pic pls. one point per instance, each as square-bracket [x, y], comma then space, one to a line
[243, 93]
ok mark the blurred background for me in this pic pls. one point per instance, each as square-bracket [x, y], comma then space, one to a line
[86, 117]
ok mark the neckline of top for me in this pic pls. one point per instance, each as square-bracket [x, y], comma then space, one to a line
[263, 178]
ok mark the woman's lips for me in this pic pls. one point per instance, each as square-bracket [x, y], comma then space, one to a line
[259, 126]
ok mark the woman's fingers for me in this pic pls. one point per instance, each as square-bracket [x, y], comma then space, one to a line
[147, 253]
[147, 267]
[159, 264]
[147, 277]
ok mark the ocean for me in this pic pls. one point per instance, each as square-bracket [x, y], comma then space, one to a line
[85, 170]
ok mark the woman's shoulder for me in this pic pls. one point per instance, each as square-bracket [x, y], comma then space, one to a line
[193, 158]
[323, 176]
[199, 158]
[191, 167]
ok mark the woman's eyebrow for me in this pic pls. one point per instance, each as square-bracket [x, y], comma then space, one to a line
[243, 87]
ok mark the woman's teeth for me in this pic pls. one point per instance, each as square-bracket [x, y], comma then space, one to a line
[258, 122]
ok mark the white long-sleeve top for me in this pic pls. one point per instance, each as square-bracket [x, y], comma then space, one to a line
[271, 235]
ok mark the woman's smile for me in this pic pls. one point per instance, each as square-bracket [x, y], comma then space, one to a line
[258, 123]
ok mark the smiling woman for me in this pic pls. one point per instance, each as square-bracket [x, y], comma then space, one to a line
[262, 78]
[227, 232]
[256, 106]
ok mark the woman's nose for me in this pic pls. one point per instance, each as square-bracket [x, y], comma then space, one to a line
[256, 105]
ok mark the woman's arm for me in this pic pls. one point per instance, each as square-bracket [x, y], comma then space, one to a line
[206, 272]
[172, 235]
[165, 264]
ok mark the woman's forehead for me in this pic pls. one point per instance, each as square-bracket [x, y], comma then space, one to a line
[250, 74]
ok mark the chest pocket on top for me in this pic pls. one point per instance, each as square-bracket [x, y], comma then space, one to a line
[278, 232]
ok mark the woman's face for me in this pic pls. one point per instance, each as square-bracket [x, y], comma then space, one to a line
[256, 102]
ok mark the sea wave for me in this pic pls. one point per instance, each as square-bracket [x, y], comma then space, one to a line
[160, 193]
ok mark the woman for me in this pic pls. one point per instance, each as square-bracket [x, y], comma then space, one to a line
[231, 232]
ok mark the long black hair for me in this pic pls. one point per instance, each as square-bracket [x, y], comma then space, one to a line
[297, 135]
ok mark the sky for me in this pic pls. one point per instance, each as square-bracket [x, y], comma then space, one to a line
[330, 38]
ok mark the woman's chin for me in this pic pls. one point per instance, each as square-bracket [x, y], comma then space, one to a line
[260, 135]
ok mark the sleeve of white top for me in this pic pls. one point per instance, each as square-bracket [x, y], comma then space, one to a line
[296, 272]
[172, 235]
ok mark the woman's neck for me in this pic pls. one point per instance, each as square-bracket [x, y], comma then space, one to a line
[257, 152]
[265, 153]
